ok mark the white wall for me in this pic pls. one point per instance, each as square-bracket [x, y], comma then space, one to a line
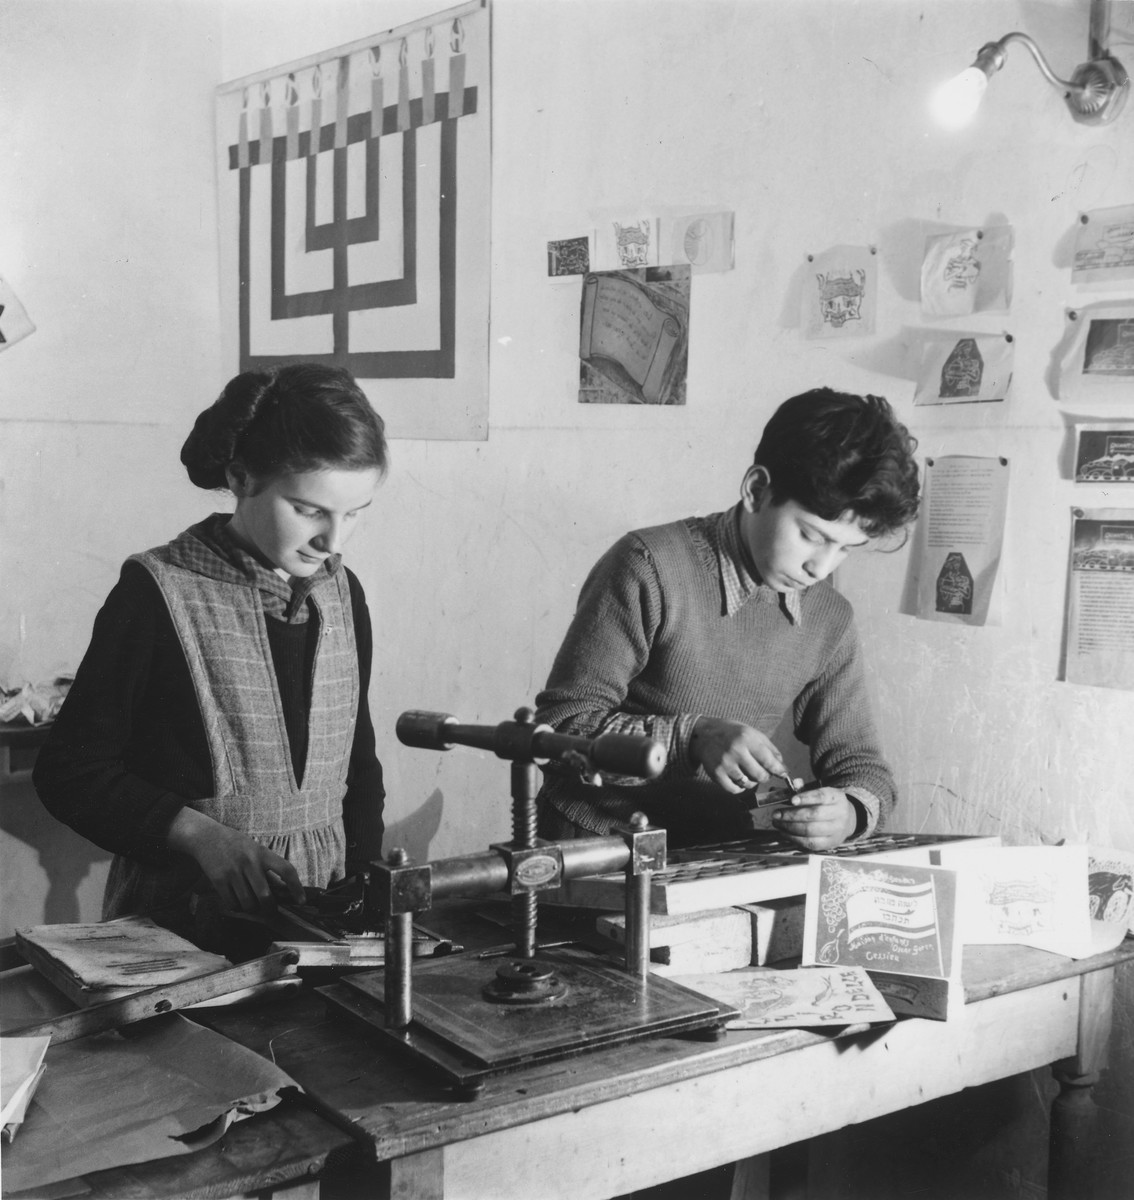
[807, 118]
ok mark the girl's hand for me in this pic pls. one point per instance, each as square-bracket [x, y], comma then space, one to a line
[818, 820]
[246, 876]
[735, 756]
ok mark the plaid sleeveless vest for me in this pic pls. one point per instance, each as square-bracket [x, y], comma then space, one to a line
[217, 607]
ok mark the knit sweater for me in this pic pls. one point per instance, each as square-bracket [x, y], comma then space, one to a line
[129, 749]
[671, 625]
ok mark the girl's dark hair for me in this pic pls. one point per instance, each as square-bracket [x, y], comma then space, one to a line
[835, 453]
[300, 417]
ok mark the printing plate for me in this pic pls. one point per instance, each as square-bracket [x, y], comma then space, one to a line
[469, 1038]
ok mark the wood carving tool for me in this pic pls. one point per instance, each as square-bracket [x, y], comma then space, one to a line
[780, 796]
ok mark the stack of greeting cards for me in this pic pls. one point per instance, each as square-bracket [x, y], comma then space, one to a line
[906, 924]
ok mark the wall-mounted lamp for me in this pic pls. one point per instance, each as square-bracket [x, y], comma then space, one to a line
[1095, 93]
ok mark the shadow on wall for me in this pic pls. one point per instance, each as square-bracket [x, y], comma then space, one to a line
[44, 865]
[415, 833]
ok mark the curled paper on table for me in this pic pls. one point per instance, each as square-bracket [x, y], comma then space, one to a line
[176, 1088]
[21, 1069]
[1110, 885]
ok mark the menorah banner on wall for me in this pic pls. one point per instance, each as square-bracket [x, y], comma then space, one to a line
[355, 219]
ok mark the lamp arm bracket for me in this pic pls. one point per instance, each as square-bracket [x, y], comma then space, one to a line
[1029, 44]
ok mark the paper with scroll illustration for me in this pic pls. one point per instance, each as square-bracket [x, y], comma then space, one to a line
[14, 320]
[840, 289]
[957, 540]
[633, 341]
[1100, 610]
[971, 368]
[805, 998]
[1025, 895]
[1104, 247]
[1096, 354]
[1104, 452]
[881, 916]
[967, 271]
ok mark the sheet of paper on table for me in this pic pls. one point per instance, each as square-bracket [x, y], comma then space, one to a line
[21, 1069]
[176, 1087]
[805, 997]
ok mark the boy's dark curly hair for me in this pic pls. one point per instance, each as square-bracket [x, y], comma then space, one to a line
[836, 453]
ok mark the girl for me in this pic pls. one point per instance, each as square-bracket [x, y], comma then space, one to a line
[217, 737]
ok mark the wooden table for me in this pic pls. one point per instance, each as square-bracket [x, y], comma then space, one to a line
[620, 1119]
[611, 1121]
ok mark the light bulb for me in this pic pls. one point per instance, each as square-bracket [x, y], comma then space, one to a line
[955, 102]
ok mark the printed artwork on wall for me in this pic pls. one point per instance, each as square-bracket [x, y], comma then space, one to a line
[1104, 453]
[967, 271]
[1104, 247]
[14, 320]
[958, 540]
[961, 368]
[1096, 355]
[1100, 609]
[355, 219]
[840, 293]
[634, 336]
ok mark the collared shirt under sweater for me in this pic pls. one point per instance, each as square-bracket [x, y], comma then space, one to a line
[671, 625]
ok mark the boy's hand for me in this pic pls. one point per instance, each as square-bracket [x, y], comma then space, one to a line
[735, 756]
[818, 820]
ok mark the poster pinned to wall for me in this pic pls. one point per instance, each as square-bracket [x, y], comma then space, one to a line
[958, 540]
[705, 241]
[625, 240]
[1096, 358]
[355, 219]
[15, 323]
[967, 271]
[1104, 247]
[634, 336]
[840, 293]
[698, 238]
[1104, 453]
[1100, 610]
[569, 257]
[969, 368]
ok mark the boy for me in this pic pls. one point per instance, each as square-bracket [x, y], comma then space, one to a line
[703, 633]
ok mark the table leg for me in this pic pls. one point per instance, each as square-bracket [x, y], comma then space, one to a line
[1073, 1112]
[418, 1176]
[751, 1178]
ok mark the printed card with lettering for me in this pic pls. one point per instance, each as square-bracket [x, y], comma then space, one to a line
[882, 916]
